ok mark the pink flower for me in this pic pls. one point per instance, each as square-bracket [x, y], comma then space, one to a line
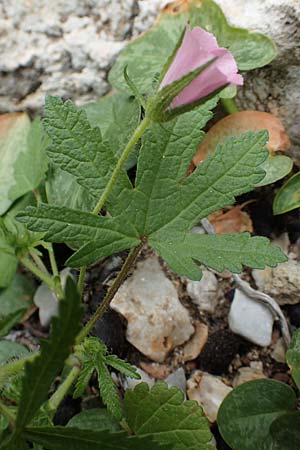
[197, 48]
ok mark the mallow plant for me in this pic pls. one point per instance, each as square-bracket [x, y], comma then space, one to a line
[89, 202]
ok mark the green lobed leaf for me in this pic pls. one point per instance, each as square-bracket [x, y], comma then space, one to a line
[220, 252]
[60, 438]
[162, 413]
[96, 419]
[288, 196]
[248, 414]
[293, 357]
[40, 373]
[251, 50]
[122, 366]
[117, 115]
[67, 225]
[79, 149]
[10, 350]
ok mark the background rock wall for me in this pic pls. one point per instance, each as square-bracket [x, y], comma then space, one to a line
[66, 47]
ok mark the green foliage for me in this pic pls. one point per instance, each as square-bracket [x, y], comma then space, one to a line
[286, 431]
[60, 438]
[94, 419]
[250, 415]
[288, 196]
[146, 55]
[11, 350]
[14, 302]
[93, 356]
[22, 154]
[79, 149]
[162, 413]
[276, 168]
[161, 185]
[40, 373]
[293, 357]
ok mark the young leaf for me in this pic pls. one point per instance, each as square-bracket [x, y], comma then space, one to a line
[247, 414]
[288, 196]
[79, 149]
[127, 369]
[60, 438]
[250, 50]
[40, 373]
[94, 419]
[162, 413]
[108, 390]
[293, 357]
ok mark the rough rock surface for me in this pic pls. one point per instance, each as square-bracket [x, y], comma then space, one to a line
[209, 391]
[245, 374]
[204, 293]
[68, 47]
[250, 319]
[157, 321]
[282, 282]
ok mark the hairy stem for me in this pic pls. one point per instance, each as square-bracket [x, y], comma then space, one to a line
[131, 258]
[39, 263]
[14, 367]
[38, 272]
[114, 176]
[54, 268]
[229, 105]
[57, 397]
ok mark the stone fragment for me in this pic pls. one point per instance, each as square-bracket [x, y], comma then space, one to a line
[204, 293]
[177, 379]
[281, 282]
[156, 370]
[279, 351]
[157, 321]
[47, 301]
[131, 383]
[250, 319]
[193, 347]
[209, 391]
[245, 374]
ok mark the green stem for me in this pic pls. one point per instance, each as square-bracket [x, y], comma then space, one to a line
[81, 280]
[36, 271]
[126, 152]
[7, 413]
[114, 176]
[57, 397]
[54, 268]
[229, 105]
[14, 367]
[110, 294]
[39, 262]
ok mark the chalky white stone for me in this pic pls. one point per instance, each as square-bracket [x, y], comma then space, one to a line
[250, 319]
[209, 391]
[157, 321]
[204, 293]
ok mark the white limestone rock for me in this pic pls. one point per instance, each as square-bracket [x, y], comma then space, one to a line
[251, 373]
[157, 321]
[281, 282]
[204, 293]
[250, 319]
[209, 391]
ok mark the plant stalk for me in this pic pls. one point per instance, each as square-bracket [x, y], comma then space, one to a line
[131, 258]
[37, 272]
[114, 176]
[229, 105]
[54, 401]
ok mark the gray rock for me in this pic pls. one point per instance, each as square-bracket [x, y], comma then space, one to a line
[131, 383]
[157, 321]
[177, 379]
[204, 293]
[281, 282]
[250, 319]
